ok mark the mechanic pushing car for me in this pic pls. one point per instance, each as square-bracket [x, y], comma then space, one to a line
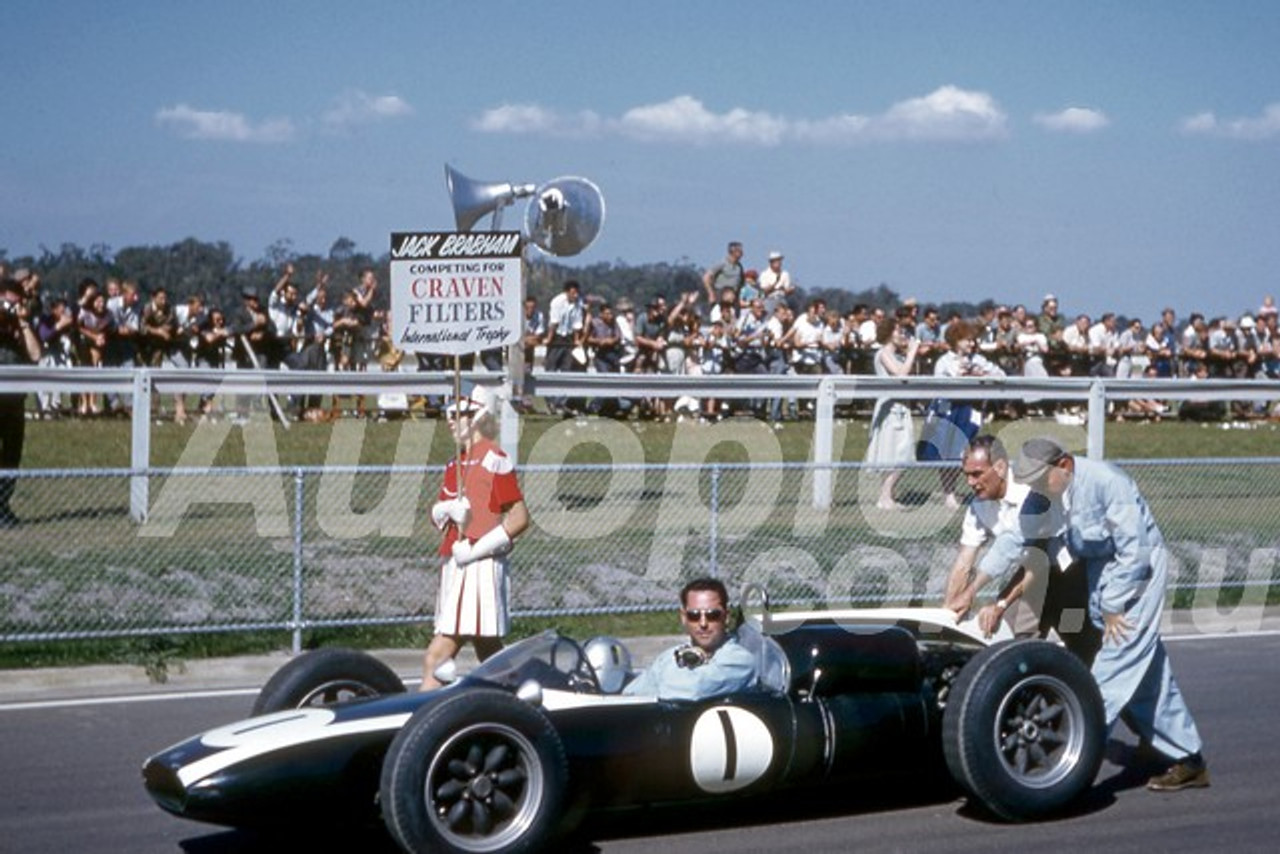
[1109, 527]
[1040, 600]
[480, 517]
[711, 663]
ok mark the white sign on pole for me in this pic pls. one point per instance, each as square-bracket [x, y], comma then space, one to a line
[455, 293]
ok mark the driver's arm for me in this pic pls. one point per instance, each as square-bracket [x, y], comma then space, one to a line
[732, 668]
[644, 685]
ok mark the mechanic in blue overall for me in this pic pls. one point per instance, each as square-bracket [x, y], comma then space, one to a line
[1110, 528]
[711, 663]
[1037, 598]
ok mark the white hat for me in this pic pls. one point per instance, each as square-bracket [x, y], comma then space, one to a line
[775, 255]
[475, 403]
[1246, 322]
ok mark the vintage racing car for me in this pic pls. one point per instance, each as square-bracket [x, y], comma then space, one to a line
[512, 755]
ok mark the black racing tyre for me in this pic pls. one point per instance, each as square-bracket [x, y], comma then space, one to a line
[323, 677]
[1024, 729]
[479, 772]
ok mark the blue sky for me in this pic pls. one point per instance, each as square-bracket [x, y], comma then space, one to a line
[1123, 155]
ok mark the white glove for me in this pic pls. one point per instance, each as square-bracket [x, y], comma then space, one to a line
[496, 542]
[456, 510]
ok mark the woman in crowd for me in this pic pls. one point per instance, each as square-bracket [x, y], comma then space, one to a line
[893, 438]
[94, 325]
[951, 424]
[1160, 347]
[1033, 345]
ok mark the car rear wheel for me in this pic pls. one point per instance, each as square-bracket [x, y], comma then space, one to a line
[479, 771]
[1024, 729]
[323, 677]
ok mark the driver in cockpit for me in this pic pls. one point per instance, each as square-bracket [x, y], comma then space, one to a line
[711, 663]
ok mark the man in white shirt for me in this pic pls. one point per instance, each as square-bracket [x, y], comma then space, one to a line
[867, 330]
[997, 500]
[1038, 597]
[806, 339]
[285, 313]
[1103, 342]
[565, 332]
[1193, 345]
[122, 343]
[1075, 337]
[1131, 355]
[775, 283]
[565, 320]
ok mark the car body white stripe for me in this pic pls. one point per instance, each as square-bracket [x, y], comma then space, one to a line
[265, 741]
[554, 701]
[943, 618]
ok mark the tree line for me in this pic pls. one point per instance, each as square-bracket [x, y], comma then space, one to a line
[214, 270]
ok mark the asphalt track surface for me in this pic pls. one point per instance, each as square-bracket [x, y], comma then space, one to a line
[70, 782]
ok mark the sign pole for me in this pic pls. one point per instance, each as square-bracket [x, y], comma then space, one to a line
[457, 443]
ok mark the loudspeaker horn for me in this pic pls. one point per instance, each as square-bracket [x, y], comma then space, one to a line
[473, 200]
[564, 216]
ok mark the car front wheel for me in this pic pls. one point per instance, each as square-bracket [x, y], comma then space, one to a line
[1024, 729]
[478, 772]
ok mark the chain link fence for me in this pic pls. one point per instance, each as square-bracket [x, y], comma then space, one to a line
[296, 548]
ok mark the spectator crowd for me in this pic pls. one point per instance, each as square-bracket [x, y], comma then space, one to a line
[115, 324]
[742, 321]
[749, 322]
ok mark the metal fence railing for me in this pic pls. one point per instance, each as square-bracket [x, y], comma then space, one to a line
[292, 549]
[1093, 396]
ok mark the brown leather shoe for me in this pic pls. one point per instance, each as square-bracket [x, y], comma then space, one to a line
[1181, 775]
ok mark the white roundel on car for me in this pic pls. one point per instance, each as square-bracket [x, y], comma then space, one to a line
[730, 749]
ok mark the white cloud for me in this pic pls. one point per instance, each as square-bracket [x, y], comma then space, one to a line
[1079, 120]
[354, 107]
[222, 125]
[685, 119]
[948, 114]
[1265, 126]
[533, 120]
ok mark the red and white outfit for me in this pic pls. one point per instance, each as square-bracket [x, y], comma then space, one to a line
[473, 598]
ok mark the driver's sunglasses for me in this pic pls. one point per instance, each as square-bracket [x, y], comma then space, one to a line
[697, 615]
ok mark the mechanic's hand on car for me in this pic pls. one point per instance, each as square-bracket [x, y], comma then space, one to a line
[960, 602]
[1115, 628]
[989, 619]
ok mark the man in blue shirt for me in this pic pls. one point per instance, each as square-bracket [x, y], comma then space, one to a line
[1109, 527]
[711, 663]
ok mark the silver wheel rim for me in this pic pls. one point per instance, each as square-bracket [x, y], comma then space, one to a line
[338, 691]
[1039, 731]
[483, 787]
